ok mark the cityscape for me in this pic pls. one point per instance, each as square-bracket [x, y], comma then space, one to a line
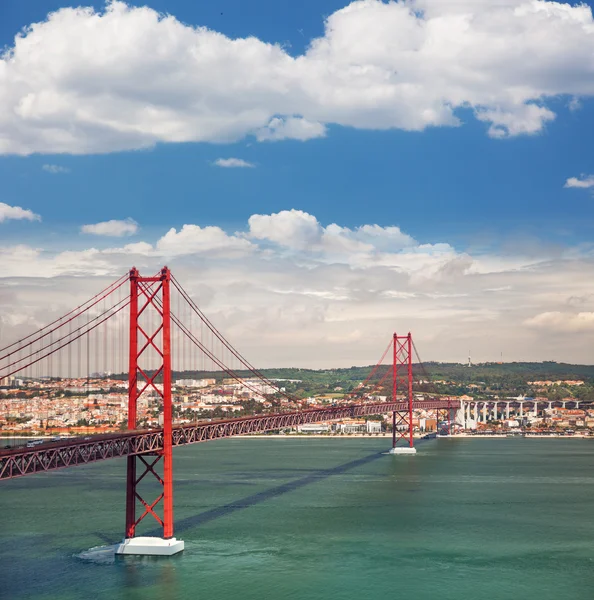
[99, 404]
[296, 299]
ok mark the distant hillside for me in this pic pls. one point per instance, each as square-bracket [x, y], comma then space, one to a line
[489, 373]
[528, 371]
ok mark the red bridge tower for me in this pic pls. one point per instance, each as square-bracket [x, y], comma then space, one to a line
[402, 382]
[150, 368]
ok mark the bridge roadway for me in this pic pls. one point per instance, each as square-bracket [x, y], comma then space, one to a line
[18, 462]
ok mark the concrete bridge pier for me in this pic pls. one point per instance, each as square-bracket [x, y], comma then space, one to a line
[460, 418]
[507, 410]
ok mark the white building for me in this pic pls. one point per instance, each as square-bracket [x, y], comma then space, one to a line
[313, 428]
[195, 383]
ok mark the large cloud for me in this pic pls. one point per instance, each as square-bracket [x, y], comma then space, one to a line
[303, 293]
[86, 81]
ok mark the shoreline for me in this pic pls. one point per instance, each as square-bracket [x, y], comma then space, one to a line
[294, 436]
[389, 435]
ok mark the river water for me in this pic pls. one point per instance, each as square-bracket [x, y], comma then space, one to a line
[464, 519]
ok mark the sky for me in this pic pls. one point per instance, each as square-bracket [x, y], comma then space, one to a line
[318, 174]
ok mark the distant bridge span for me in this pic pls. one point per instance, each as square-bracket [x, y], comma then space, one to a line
[18, 462]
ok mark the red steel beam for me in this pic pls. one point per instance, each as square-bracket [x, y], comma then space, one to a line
[167, 411]
[132, 401]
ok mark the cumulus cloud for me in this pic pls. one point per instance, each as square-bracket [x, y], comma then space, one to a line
[233, 163]
[113, 228]
[193, 239]
[16, 213]
[55, 169]
[87, 81]
[290, 290]
[291, 228]
[525, 119]
[300, 231]
[563, 321]
[585, 182]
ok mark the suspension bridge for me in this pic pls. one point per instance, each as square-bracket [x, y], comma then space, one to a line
[151, 328]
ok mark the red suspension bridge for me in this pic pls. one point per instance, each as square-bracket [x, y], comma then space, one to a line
[151, 323]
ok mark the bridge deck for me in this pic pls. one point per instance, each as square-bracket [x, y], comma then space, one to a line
[18, 462]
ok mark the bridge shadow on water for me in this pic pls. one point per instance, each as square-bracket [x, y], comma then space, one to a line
[227, 509]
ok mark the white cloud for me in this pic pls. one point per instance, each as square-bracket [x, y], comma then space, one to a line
[113, 228]
[563, 322]
[298, 230]
[291, 228]
[55, 169]
[586, 181]
[8, 212]
[293, 128]
[193, 239]
[382, 238]
[286, 289]
[233, 163]
[525, 119]
[137, 248]
[26, 262]
[128, 77]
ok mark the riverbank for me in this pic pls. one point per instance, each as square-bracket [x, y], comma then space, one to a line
[293, 436]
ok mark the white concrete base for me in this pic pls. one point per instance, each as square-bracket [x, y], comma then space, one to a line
[150, 546]
[403, 450]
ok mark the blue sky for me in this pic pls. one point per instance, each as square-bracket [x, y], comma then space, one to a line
[484, 195]
[452, 183]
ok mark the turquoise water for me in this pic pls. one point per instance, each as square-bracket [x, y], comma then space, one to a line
[319, 519]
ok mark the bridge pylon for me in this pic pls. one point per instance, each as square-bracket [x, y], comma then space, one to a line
[150, 361]
[402, 380]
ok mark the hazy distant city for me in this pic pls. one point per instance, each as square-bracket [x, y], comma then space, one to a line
[506, 402]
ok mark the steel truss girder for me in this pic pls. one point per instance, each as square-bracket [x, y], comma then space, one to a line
[28, 461]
